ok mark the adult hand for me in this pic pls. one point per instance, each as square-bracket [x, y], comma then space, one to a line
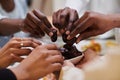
[37, 24]
[13, 51]
[93, 24]
[43, 60]
[64, 19]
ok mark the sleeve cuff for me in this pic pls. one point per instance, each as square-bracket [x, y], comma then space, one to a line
[6, 74]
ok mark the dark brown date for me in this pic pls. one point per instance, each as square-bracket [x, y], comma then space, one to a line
[70, 51]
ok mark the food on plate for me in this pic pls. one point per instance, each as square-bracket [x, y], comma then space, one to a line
[70, 51]
[110, 44]
[95, 46]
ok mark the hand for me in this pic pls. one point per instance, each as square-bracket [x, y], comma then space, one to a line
[64, 19]
[89, 55]
[93, 24]
[37, 24]
[43, 60]
[12, 51]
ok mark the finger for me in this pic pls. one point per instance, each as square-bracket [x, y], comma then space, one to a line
[29, 44]
[86, 34]
[35, 28]
[51, 47]
[82, 18]
[31, 31]
[24, 44]
[36, 22]
[32, 40]
[45, 25]
[56, 21]
[20, 52]
[43, 18]
[77, 23]
[73, 17]
[56, 59]
[56, 67]
[81, 27]
[16, 58]
[54, 52]
[64, 18]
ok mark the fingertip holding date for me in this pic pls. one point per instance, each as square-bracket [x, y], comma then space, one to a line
[54, 36]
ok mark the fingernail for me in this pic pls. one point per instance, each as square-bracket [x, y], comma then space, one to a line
[67, 32]
[50, 34]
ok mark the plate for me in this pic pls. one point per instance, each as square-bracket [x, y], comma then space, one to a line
[76, 59]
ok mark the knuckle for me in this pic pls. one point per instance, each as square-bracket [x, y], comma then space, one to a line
[12, 43]
[28, 14]
[44, 53]
[87, 12]
[39, 48]
[10, 50]
[91, 16]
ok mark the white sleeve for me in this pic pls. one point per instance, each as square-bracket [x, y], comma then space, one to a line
[78, 5]
[1, 16]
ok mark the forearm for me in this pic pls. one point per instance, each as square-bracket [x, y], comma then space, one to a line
[10, 26]
[115, 20]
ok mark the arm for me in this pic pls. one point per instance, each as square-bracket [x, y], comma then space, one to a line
[10, 26]
[35, 23]
[93, 24]
[43, 60]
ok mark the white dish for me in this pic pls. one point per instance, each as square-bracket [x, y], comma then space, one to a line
[76, 59]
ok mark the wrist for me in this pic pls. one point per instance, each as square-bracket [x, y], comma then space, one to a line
[21, 24]
[20, 74]
[115, 20]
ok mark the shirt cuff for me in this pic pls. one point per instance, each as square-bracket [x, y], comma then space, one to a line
[6, 74]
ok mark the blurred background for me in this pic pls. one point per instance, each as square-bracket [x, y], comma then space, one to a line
[47, 6]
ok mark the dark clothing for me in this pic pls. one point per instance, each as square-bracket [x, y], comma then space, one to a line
[6, 74]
